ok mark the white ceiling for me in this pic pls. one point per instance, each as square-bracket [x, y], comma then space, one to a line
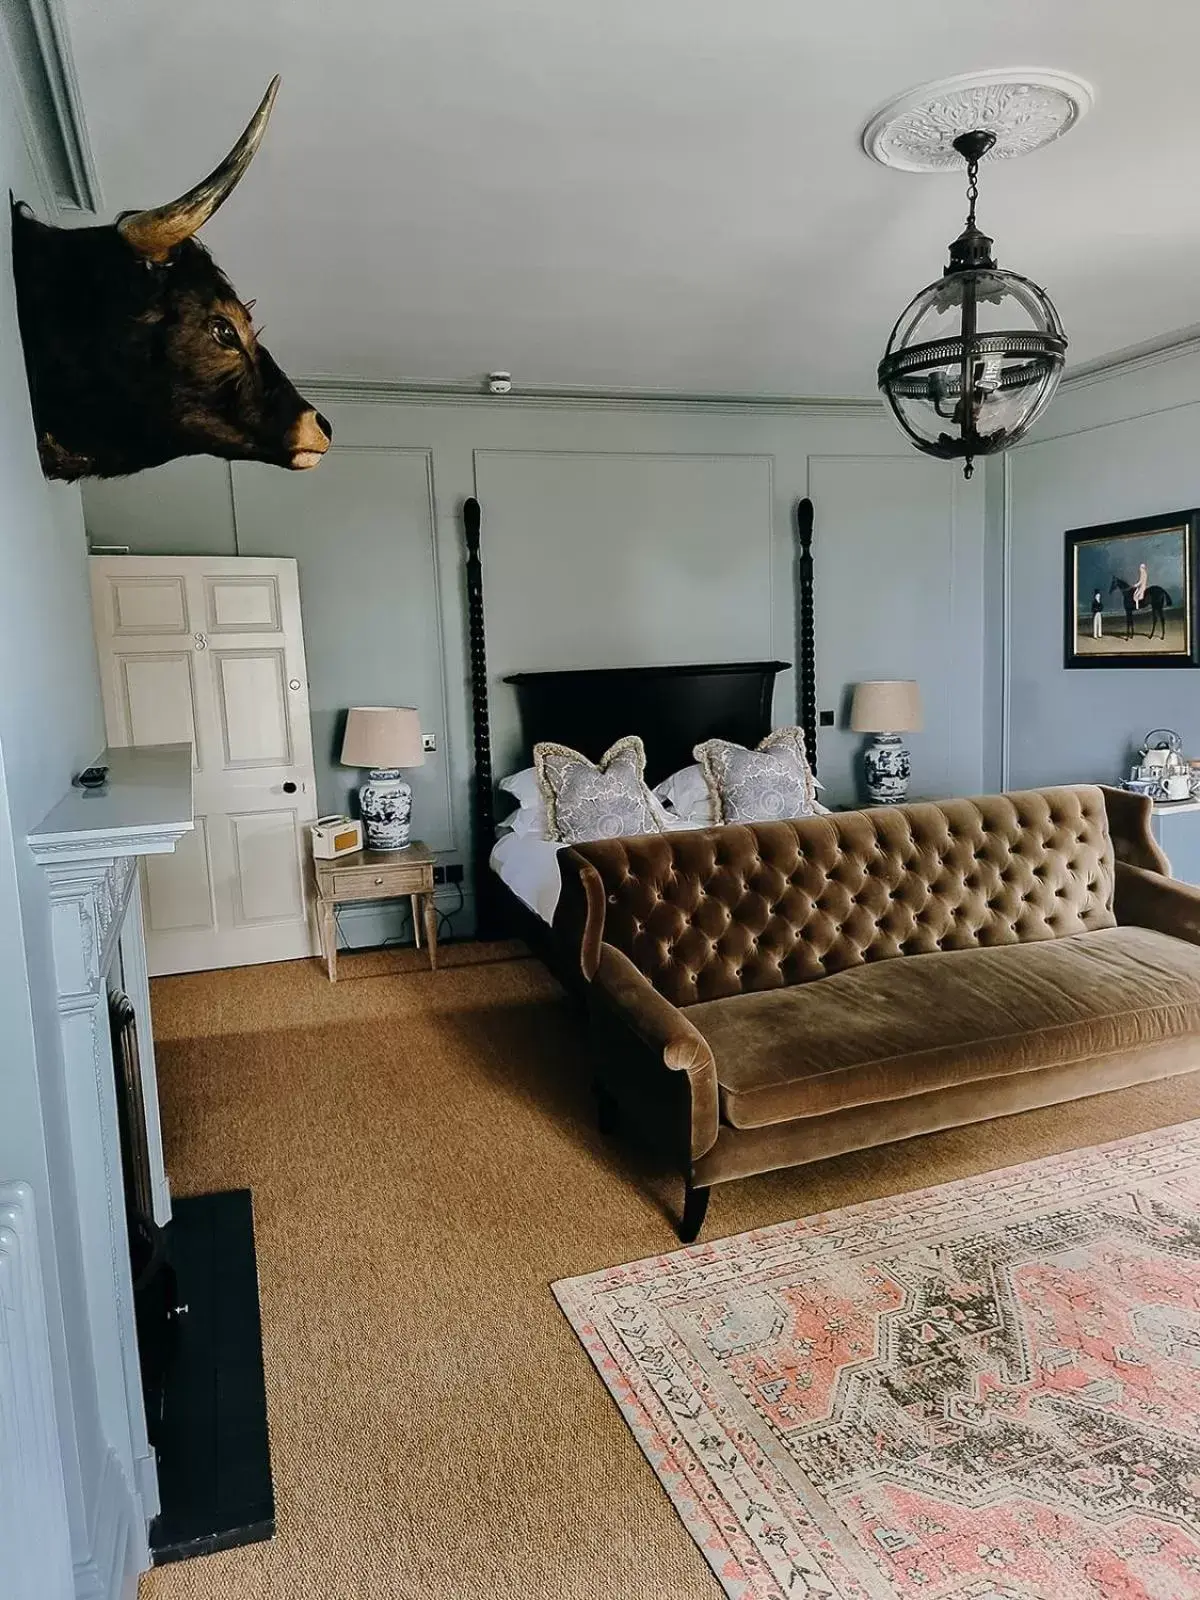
[650, 194]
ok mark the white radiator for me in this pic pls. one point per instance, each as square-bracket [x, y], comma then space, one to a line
[35, 1547]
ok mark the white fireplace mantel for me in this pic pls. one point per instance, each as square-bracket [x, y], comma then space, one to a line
[144, 809]
[88, 845]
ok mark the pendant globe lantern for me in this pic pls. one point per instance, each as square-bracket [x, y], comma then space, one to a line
[974, 360]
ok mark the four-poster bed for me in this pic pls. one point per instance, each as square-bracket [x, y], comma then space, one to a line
[672, 708]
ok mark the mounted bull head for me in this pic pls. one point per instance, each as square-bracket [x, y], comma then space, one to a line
[137, 348]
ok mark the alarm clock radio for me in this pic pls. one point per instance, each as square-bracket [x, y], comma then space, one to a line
[335, 836]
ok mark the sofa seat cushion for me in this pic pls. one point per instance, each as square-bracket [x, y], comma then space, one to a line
[897, 1028]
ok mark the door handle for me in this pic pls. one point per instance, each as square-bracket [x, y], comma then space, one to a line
[289, 787]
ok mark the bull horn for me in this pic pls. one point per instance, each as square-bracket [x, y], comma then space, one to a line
[155, 233]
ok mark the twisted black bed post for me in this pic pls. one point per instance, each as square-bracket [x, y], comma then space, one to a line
[483, 799]
[807, 651]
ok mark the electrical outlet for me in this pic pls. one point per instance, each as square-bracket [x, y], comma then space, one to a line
[827, 719]
[454, 872]
[429, 741]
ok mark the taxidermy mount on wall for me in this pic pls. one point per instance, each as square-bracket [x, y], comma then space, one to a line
[137, 348]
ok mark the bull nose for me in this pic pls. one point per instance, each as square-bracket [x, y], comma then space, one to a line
[325, 425]
[308, 440]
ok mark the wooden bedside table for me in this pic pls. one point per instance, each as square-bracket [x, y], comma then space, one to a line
[377, 875]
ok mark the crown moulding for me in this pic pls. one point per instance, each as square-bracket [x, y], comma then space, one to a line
[1023, 107]
[326, 388]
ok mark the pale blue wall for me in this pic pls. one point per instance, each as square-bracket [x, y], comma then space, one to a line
[50, 726]
[1125, 445]
[613, 533]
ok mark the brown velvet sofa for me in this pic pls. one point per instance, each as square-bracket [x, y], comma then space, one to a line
[749, 1012]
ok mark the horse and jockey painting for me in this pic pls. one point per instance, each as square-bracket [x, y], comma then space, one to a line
[1131, 593]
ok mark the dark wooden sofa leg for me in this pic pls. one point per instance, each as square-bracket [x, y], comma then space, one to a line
[608, 1116]
[695, 1204]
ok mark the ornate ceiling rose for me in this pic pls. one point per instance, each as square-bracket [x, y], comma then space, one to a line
[1023, 107]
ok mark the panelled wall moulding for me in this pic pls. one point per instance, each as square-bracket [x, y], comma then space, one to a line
[249, 494]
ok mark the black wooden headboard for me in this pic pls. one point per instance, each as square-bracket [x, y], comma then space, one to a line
[671, 708]
[675, 707]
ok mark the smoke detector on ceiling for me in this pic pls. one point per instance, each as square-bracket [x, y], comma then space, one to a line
[499, 382]
[1023, 107]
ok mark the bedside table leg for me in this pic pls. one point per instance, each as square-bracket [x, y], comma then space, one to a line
[431, 930]
[416, 919]
[329, 938]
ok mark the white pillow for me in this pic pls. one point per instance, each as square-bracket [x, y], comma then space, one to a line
[531, 815]
[686, 793]
[526, 820]
[523, 786]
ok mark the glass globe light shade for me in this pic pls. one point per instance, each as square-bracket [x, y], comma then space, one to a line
[972, 362]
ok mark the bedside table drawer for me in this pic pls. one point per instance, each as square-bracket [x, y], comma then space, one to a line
[377, 883]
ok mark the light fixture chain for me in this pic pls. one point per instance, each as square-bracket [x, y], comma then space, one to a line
[972, 190]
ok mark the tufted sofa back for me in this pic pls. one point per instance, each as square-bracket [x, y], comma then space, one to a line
[741, 908]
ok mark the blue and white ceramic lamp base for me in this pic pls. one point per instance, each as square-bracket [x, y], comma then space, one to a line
[385, 805]
[886, 768]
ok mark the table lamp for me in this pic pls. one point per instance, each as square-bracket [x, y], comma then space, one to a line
[384, 738]
[887, 708]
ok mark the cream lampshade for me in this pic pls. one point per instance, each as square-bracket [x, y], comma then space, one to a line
[384, 738]
[886, 707]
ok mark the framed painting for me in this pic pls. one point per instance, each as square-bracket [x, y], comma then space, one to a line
[1130, 593]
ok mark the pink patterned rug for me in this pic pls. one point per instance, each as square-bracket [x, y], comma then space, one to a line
[984, 1391]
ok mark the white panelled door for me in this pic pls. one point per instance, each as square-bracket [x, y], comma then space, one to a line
[210, 650]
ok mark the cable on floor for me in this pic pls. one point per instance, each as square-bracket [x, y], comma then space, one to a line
[445, 931]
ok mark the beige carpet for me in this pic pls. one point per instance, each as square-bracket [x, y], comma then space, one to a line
[424, 1164]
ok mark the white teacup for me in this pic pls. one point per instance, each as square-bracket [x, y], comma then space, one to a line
[1177, 786]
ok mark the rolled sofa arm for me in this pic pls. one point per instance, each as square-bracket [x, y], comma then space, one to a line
[1150, 900]
[1130, 831]
[660, 1026]
[661, 1035]
[579, 915]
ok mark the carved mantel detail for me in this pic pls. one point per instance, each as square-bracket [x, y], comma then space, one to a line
[87, 908]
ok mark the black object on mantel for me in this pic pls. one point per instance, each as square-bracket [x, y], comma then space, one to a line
[214, 1459]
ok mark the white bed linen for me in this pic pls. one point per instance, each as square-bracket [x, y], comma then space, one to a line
[528, 864]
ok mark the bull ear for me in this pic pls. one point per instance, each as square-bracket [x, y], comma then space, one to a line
[155, 233]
